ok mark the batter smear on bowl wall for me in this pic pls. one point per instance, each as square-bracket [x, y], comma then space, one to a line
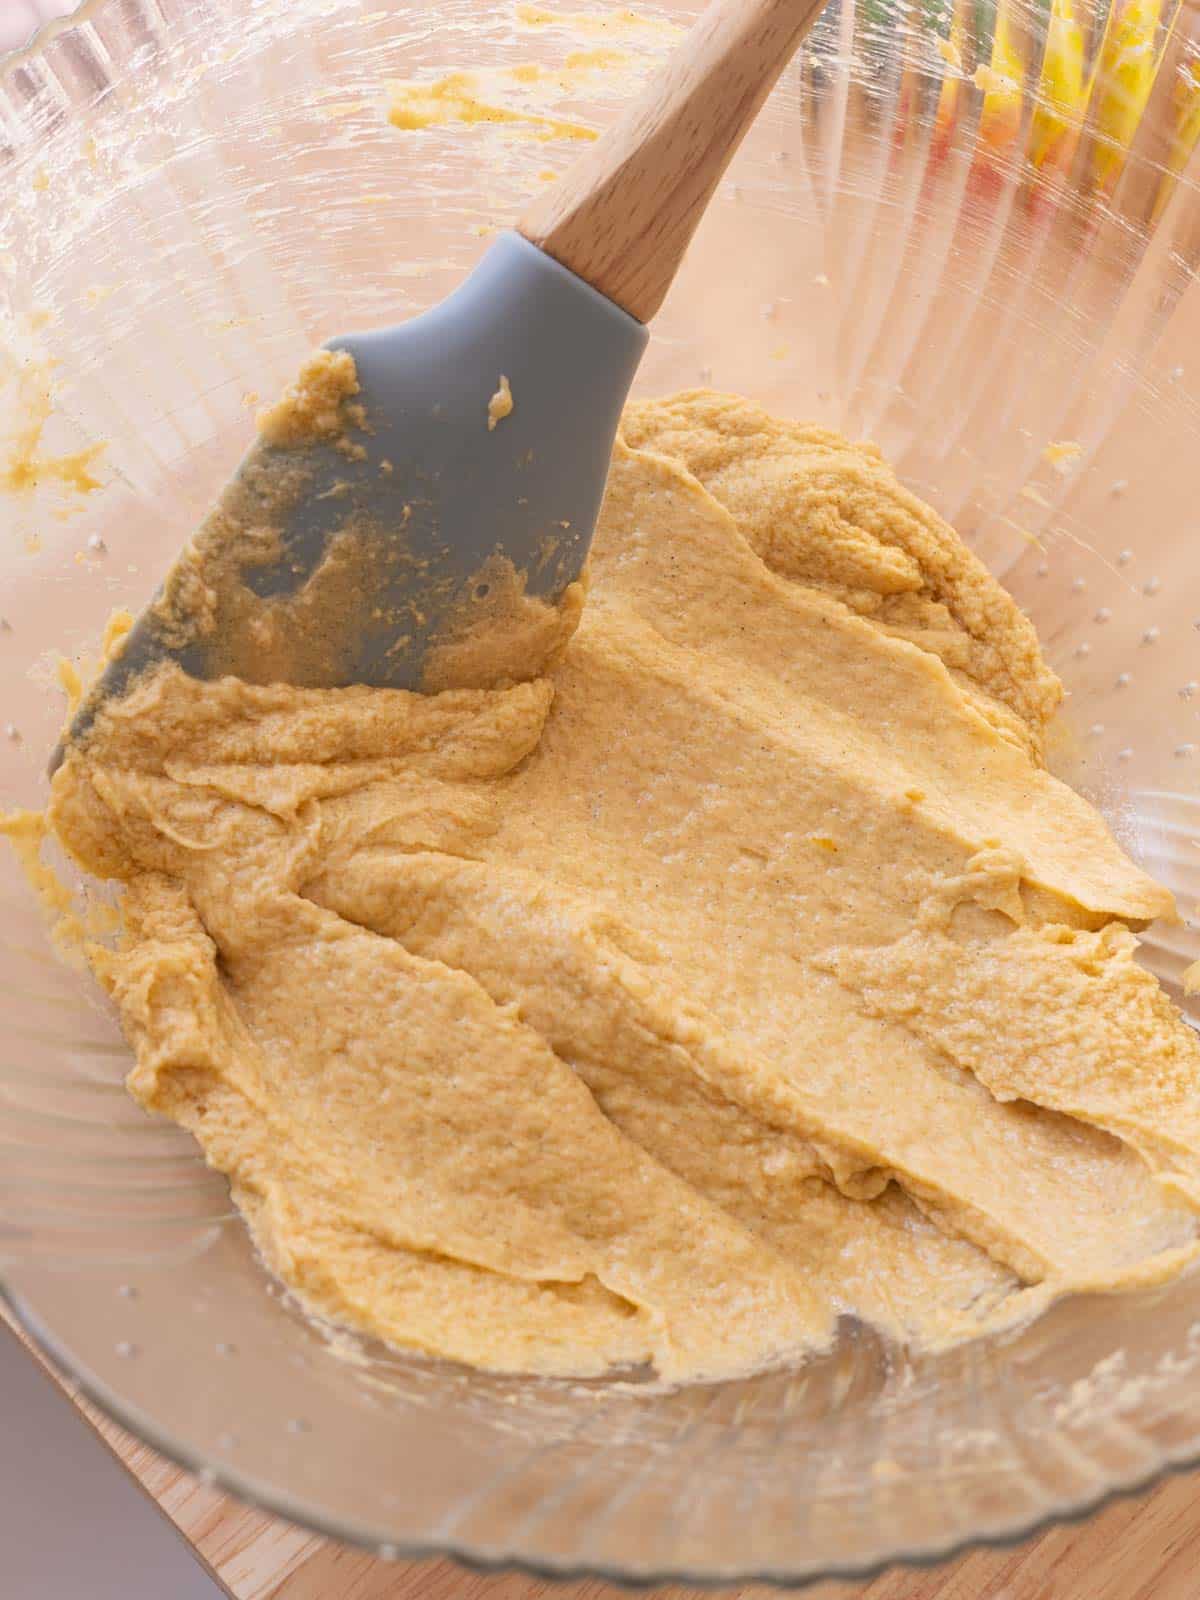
[744, 968]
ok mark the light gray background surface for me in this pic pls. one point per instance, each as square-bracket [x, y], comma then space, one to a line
[74, 1524]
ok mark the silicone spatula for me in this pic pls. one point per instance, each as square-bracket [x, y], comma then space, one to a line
[555, 314]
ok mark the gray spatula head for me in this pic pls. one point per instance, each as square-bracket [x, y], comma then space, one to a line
[348, 555]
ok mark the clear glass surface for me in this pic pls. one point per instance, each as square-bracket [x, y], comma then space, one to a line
[991, 274]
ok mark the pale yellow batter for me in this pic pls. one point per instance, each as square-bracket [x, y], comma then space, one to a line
[747, 969]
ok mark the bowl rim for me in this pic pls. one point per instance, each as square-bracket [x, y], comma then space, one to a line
[260, 1496]
[44, 32]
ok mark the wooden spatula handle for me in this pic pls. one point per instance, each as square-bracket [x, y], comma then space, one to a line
[623, 215]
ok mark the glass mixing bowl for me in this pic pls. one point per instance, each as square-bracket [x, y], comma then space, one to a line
[967, 231]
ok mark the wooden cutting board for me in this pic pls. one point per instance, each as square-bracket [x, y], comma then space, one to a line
[1146, 1548]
